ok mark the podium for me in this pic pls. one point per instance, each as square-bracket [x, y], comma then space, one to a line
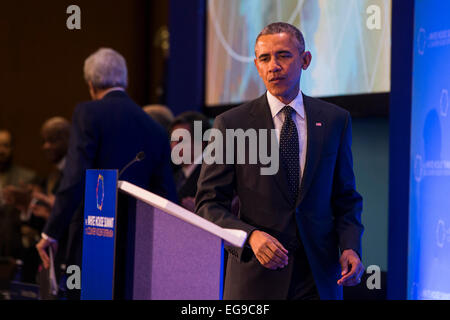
[178, 255]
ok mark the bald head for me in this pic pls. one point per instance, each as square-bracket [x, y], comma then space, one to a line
[160, 113]
[55, 134]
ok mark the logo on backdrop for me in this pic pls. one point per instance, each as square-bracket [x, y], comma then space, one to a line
[100, 192]
[434, 39]
[418, 171]
[444, 102]
[421, 41]
[430, 168]
[442, 234]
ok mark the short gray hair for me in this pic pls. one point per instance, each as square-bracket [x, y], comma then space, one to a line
[106, 68]
[280, 27]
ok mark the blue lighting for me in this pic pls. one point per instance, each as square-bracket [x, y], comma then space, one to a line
[429, 220]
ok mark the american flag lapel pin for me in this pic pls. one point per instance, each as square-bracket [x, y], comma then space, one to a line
[318, 124]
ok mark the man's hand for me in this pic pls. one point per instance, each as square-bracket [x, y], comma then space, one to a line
[269, 252]
[47, 199]
[19, 197]
[351, 277]
[42, 246]
[40, 211]
[42, 204]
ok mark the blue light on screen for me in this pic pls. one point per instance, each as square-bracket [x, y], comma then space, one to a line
[429, 223]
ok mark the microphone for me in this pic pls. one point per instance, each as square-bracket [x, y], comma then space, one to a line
[139, 157]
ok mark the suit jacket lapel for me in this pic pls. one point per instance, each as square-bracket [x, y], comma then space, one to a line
[261, 118]
[315, 127]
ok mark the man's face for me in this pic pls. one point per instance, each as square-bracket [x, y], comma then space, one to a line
[194, 146]
[5, 147]
[187, 144]
[184, 126]
[54, 144]
[279, 64]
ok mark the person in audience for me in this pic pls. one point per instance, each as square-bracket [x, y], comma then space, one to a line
[55, 134]
[39, 199]
[35, 201]
[161, 114]
[186, 174]
[106, 133]
[11, 176]
[11, 173]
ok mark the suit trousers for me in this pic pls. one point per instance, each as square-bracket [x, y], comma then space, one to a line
[302, 286]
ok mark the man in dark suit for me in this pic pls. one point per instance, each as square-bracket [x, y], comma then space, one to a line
[304, 222]
[106, 133]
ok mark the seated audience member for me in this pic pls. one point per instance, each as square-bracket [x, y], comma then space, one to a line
[161, 114]
[16, 176]
[10, 173]
[186, 174]
[55, 136]
[35, 202]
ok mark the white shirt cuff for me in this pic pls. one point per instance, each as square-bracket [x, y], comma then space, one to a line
[46, 237]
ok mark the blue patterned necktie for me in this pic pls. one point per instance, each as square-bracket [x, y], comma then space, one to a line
[289, 152]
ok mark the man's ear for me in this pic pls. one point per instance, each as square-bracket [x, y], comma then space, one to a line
[257, 67]
[306, 57]
[255, 61]
[92, 90]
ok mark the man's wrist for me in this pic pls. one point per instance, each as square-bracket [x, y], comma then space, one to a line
[247, 243]
[353, 251]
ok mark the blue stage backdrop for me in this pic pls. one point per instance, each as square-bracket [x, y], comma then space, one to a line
[429, 223]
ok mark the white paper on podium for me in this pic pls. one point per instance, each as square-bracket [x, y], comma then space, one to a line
[52, 276]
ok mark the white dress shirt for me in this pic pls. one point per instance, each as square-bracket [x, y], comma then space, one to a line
[299, 119]
[187, 170]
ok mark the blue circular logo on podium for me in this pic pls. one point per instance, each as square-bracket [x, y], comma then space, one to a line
[100, 192]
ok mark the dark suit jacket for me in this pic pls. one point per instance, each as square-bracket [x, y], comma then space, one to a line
[189, 187]
[327, 215]
[107, 134]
